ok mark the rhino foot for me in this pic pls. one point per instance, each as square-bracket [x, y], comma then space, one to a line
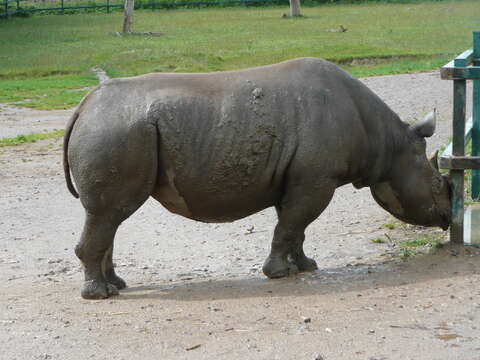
[306, 264]
[114, 279]
[275, 268]
[94, 289]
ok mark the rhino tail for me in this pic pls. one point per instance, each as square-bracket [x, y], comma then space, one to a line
[66, 166]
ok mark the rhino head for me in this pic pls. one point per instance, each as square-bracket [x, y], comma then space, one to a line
[415, 192]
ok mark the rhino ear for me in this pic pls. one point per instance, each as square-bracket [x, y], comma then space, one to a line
[426, 128]
[433, 159]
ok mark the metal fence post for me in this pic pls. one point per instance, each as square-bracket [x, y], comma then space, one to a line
[476, 117]
[458, 149]
[108, 6]
[63, 8]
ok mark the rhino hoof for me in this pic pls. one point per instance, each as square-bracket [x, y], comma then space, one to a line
[94, 289]
[306, 265]
[117, 281]
[112, 290]
[278, 268]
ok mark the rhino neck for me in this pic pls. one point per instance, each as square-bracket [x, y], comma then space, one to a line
[386, 136]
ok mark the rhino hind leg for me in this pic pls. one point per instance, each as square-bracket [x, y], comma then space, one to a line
[109, 271]
[120, 179]
[97, 238]
[96, 247]
[298, 209]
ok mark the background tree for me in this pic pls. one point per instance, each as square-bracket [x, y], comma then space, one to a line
[128, 16]
[295, 8]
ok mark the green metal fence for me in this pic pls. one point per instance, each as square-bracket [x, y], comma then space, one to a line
[10, 8]
[464, 67]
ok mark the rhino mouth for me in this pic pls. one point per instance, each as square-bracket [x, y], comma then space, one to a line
[445, 215]
[446, 222]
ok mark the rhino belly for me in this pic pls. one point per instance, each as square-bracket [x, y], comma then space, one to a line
[215, 190]
[167, 194]
[226, 205]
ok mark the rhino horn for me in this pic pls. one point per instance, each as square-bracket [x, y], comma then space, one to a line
[433, 159]
[426, 127]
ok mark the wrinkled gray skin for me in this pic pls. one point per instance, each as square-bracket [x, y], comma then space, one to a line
[221, 146]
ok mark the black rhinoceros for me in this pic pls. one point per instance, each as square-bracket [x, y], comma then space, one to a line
[217, 147]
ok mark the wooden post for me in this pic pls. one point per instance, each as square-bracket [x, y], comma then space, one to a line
[128, 16]
[458, 149]
[476, 116]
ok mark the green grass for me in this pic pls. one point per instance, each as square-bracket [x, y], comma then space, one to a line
[379, 240]
[421, 244]
[20, 139]
[389, 226]
[468, 200]
[57, 91]
[415, 243]
[381, 39]
[407, 253]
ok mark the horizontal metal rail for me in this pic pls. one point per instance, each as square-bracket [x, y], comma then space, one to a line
[453, 72]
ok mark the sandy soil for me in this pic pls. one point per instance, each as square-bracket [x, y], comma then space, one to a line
[16, 121]
[196, 290]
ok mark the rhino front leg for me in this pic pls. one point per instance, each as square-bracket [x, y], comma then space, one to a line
[277, 264]
[298, 209]
[298, 257]
[296, 254]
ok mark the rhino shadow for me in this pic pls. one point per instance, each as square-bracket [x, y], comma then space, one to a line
[448, 262]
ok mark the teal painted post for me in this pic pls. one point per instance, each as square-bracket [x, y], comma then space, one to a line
[18, 5]
[6, 9]
[476, 116]
[458, 149]
[63, 8]
[108, 6]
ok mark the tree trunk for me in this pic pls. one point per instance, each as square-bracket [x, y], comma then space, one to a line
[295, 8]
[128, 16]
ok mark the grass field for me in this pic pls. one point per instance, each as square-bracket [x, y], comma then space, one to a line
[42, 58]
[20, 139]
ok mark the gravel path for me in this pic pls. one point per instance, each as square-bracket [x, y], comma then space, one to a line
[197, 291]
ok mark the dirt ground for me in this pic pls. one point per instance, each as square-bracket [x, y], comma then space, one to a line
[196, 291]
